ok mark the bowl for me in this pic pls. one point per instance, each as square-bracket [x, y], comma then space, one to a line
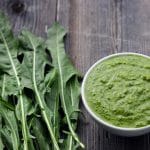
[112, 128]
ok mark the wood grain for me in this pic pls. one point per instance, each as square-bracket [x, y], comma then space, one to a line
[36, 16]
[96, 28]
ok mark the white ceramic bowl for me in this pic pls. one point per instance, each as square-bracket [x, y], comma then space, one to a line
[112, 128]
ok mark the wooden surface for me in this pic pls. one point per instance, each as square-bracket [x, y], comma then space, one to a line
[96, 29]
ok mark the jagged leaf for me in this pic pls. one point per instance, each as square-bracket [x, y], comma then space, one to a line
[35, 61]
[65, 70]
[10, 68]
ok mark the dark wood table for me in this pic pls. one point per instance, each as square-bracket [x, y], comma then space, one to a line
[96, 28]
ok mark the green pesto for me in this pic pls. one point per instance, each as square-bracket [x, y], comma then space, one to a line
[118, 91]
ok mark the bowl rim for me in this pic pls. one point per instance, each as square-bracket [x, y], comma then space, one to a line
[96, 117]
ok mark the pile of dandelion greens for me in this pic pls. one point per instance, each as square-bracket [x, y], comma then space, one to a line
[39, 91]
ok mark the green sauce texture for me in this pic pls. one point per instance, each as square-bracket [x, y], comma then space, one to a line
[118, 91]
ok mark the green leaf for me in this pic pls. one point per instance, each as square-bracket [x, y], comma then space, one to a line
[33, 46]
[29, 110]
[33, 86]
[35, 60]
[73, 87]
[10, 67]
[11, 126]
[41, 135]
[52, 101]
[65, 70]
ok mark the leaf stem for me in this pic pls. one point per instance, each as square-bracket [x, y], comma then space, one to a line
[44, 114]
[70, 143]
